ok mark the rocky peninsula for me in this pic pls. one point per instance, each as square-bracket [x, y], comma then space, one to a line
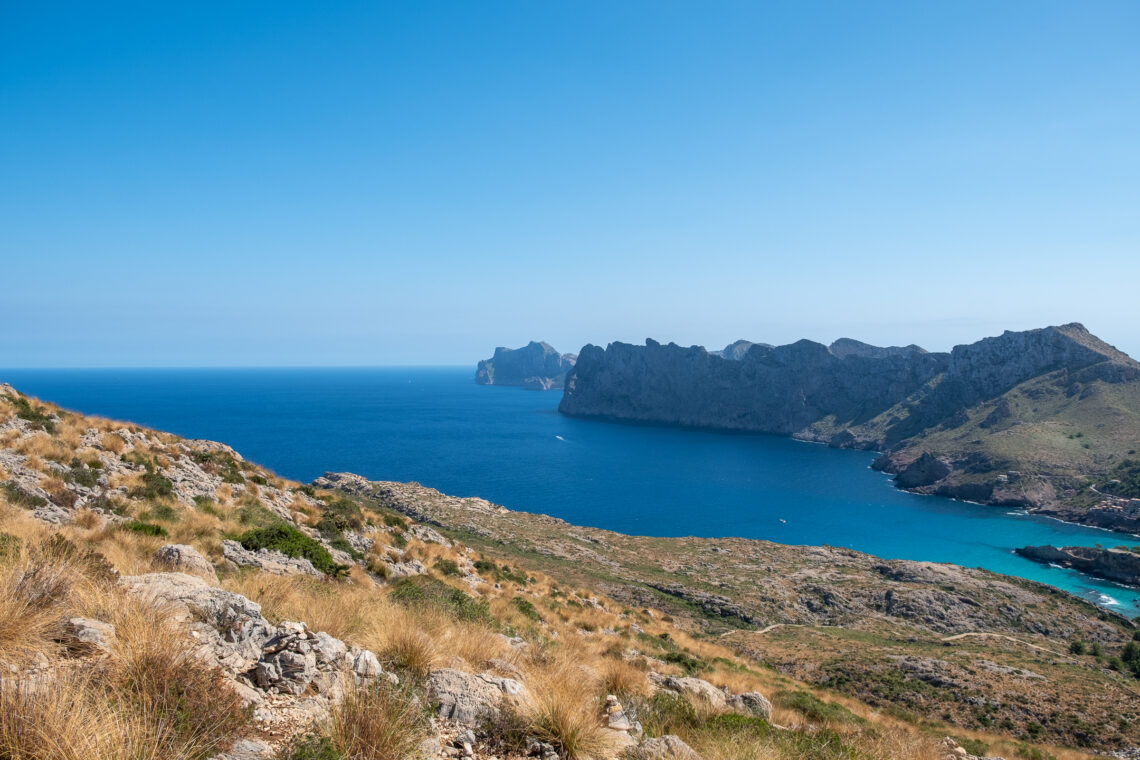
[1120, 565]
[535, 366]
[1033, 419]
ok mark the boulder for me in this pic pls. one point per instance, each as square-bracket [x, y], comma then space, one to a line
[185, 559]
[468, 698]
[751, 703]
[268, 560]
[86, 635]
[698, 688]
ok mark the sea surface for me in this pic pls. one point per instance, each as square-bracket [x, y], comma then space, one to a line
[510, 446]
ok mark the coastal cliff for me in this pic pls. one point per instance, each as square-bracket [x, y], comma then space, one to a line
[1118, 565]
[535, 366]
[1027, 418]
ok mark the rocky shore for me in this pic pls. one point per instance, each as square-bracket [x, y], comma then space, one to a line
[1119, 565]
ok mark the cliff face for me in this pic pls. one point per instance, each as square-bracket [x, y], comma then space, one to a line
[537, 366]
[770, 389]
[1023, 418]
[1112, 564]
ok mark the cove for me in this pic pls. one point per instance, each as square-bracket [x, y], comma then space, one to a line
[510, 446]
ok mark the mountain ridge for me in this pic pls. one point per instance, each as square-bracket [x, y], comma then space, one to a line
[998, 415]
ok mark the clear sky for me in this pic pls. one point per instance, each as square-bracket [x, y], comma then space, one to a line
[279, 183]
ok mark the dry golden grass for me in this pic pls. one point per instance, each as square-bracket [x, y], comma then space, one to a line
[43, 446]
[378, 722]
[622, 677]
[411, 650]
[113, 442]
[565, 709]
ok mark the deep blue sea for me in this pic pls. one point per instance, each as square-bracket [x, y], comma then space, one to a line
[437, 427]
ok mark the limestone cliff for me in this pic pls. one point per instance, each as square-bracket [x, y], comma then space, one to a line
[537, 366]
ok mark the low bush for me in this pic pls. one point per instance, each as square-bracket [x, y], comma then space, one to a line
[813, 708]
[153, 486]
[526, 608]
[291, 542]
[447, 567]
[426, 592]
[37, 415]
[18, 497]
[690, 664]
[145, 528]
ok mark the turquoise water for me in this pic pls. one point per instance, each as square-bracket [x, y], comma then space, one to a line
[435, 426]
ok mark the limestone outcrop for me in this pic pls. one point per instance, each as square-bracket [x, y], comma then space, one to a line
[536, 366]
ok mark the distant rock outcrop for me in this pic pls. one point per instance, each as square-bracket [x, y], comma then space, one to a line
[1117, 565]
[536, 366]
[991, 421]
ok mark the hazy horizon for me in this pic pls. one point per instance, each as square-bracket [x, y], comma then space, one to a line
[280, 184]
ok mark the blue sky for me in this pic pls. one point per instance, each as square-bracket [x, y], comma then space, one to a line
[417, 182]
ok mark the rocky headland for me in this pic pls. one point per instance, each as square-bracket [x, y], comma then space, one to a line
[1032, 419]
[1120, 565]
[535, 366]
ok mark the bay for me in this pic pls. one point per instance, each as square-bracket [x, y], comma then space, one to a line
[434, 425]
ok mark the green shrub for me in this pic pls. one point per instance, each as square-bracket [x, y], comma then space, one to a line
[19, 497]
[686, 661]
[159, 511]
[153, 486]
[665, 713]
[447, 567]
[291, 542]
[348, 512]
[814, 708]
[426, 592]
[253, 513]
[394, 521]
[145, 528]
[735, 723]
[525, 607]
[81, 475]
[221, 464]
[37, 415]
[332, 530]
[1077, 647]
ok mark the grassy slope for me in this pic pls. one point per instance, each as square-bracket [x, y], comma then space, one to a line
[841, 635]
[1055, 437]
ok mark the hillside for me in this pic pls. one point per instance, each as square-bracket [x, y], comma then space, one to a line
[1029, 419]
[187, 603]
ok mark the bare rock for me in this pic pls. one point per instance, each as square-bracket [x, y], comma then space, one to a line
[751, 703]
[268, 560]
[469, 698]
[85, 635]
[185, 559]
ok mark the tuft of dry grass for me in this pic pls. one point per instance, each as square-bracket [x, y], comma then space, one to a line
[623, 678]
[565, 708]
[411, 650]
[378, 722]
